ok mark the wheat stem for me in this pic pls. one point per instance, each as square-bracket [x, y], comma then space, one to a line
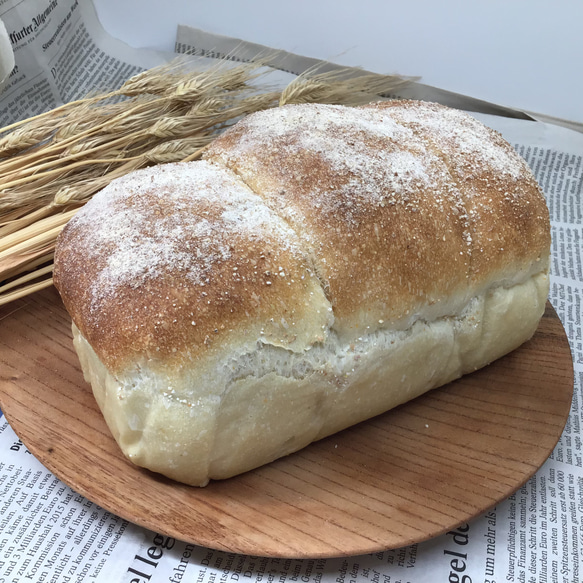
[24, 264]
[11, 226]
[34, 235]
[25, 291]
[26, 278]
[50, 113]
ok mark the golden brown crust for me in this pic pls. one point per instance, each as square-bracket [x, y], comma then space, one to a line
[402, 205]
[174, 261]
[403, 209]
[508, 217]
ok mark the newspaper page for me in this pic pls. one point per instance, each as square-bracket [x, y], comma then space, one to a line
[61, 53]
[49, 533]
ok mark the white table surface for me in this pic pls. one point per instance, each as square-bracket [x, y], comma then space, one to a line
[527, 55]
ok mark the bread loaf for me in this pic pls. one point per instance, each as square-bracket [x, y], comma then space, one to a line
[320, 266]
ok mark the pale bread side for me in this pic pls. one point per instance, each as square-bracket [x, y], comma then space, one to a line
[258, 413]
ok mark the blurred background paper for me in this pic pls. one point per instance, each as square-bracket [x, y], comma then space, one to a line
[6, 55]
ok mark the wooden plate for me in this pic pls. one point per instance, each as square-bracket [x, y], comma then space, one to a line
[403, 477]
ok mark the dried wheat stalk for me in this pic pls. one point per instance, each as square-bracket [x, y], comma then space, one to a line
[53, 163]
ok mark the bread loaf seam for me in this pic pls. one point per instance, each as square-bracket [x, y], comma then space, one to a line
[310, 251]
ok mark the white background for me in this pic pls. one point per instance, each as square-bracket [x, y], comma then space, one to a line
[527, 55]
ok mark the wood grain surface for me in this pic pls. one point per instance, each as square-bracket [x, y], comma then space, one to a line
[403, 477]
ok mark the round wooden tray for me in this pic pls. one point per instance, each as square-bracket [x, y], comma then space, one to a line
[402, 477]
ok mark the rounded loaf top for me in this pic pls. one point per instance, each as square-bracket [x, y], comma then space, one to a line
[406, 208]
[302, 221]
[181, 260]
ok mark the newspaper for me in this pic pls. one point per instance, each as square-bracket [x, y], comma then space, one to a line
[61, 53]
[50, 533]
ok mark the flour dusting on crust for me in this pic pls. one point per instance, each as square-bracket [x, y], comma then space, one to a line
[175, 217]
